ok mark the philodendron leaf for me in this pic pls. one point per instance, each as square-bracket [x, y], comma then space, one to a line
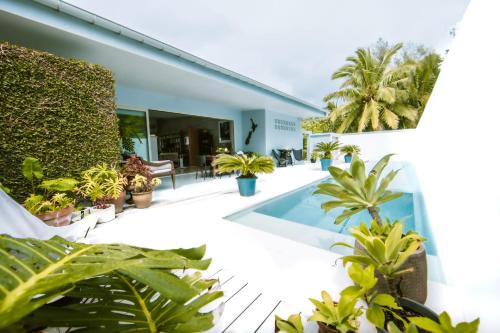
[118, 303]
[32, 169]
[34, 272]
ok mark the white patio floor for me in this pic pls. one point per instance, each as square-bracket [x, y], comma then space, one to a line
[261, 273]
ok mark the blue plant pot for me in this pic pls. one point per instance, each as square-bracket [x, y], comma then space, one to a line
[325, 163]
[348, 158]
[246, 186]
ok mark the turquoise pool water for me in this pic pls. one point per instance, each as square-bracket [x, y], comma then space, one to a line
[304, 207]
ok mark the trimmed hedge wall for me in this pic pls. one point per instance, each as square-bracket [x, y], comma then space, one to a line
[58, 110]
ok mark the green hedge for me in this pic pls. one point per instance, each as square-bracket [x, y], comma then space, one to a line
[58, 110]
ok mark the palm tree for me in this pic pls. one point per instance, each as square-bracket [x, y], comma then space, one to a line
[421, 79]
[372, 96]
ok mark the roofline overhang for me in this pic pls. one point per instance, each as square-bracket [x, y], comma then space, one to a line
[119, 29]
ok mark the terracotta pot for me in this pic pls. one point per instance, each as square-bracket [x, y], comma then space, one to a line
[143, 199]
[119, 202]
[59, 218]
[412, 285]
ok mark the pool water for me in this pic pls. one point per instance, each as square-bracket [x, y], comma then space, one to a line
[304, 207]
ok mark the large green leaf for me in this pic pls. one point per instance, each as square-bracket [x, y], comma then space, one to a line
[116, 302]
[35, 272]
[32, 169]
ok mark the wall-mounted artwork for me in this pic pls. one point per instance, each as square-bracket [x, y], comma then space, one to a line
[253, 127]
[224, 131]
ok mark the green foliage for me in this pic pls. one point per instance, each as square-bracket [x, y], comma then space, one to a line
[392, 328]
[364, 281]
[142, 184]
[53, 197]
[379, 93]
[350, 149]
[318, 125]
[291, 325]
[342, 315]
[249, 166]
[4, 188]
[445, 325]
[60, 111]
[105, 287]
[355, 190]
[37, 204]
[326, 148]
[385, 254]
[101, 183]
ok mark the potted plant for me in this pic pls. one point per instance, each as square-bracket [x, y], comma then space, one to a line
[135, 166]
[325, 150]
[349, 189]
[399, 260]
[380, 307]
[50, 200]
[104, 186]
[142, 190]
[334, 317]
[348, 151]
[248, 168]
[314, 156]
[291, 325]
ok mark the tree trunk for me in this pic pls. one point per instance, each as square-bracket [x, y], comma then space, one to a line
[374, 214]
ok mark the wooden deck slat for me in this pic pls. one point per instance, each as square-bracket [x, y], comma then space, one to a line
[252, 318]
[236, 303]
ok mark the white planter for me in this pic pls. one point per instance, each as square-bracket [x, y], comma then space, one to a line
[104, 215]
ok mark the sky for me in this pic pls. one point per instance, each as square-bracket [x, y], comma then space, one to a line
[291, 45]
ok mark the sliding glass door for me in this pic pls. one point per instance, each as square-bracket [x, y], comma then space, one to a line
[133, 133]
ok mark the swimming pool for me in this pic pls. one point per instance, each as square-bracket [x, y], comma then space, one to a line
[304, 208]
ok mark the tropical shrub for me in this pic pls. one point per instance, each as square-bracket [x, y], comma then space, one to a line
[246, 165]
[60, 111]
[377, 304]
[343, 316]
[325, 149]
[54, 194]
[101, 183]
[350, 149]
[136, 166]
[385, 254]
[356, 191]
[445, 325]
[142, 184]
[102, 287]
[291, 325]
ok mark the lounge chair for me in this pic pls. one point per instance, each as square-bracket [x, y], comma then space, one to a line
[297, 156]
[282, 162]
[162, 169]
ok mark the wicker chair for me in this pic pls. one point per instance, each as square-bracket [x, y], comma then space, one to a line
[162, 169]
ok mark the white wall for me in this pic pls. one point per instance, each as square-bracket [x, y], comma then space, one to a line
[455, 154]
[374, 145]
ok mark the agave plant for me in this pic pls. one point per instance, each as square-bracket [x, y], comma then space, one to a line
[247, 166]
[291, 325]
[35, 273]
[326, 149]
[356, 191]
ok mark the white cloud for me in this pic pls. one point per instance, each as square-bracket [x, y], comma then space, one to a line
[292, 45]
